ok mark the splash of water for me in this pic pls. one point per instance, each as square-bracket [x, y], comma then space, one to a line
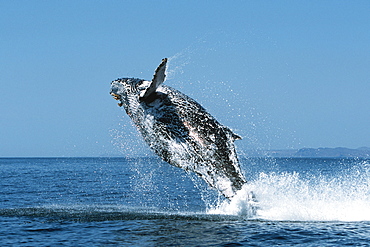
[290, 197]
[242, 204]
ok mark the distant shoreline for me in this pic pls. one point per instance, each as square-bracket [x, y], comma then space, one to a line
[339, 152]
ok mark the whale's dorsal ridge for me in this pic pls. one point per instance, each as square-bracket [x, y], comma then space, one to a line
[158, 78]
[236, 136]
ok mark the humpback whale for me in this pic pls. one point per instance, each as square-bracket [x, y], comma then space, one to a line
[181, 131]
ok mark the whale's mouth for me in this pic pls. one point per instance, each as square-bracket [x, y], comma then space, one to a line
[117, 97]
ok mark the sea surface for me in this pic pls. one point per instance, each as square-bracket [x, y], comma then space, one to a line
[146, 202]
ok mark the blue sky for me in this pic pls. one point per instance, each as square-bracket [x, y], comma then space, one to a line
[283, 74]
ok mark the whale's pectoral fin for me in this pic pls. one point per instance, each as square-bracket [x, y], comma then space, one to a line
[159, 75]
[158, 79]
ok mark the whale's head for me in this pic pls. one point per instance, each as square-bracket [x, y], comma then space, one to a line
[128, 90]
[132, 91]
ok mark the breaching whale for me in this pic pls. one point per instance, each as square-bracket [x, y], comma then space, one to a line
[181, 131]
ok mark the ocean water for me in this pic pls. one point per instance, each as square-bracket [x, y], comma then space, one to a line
[146, 202]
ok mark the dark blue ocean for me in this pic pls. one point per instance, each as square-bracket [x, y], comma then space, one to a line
[146, 202]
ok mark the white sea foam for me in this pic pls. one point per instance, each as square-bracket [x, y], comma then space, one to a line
[243, 204]
[287, 196]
